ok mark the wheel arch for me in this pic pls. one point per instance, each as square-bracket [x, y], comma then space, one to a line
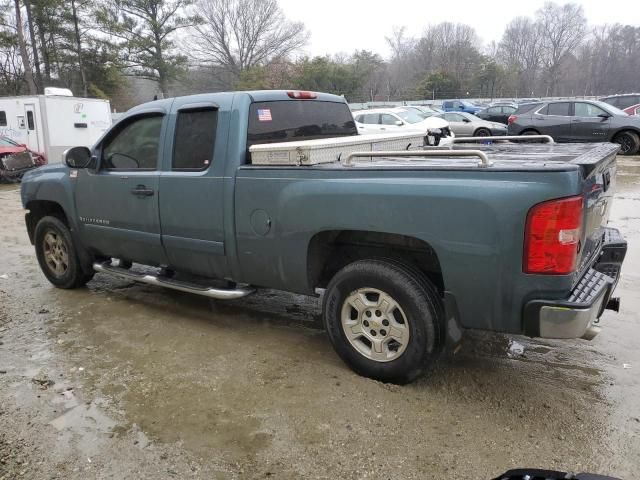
[37, 209]
[330, 250]
[475, 132]
[620, 130]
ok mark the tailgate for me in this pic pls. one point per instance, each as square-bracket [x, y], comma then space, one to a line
[598, 168]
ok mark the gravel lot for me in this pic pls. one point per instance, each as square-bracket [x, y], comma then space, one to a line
[120, 380]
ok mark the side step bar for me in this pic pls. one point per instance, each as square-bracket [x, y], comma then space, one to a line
[218, 293]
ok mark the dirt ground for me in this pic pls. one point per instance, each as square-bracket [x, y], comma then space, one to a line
[119, 380]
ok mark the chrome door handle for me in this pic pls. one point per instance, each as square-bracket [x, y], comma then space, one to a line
[142, 191]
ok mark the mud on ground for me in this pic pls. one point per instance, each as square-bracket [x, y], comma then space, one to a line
[119, 380]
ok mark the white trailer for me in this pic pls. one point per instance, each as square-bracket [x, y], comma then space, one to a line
[51, 123]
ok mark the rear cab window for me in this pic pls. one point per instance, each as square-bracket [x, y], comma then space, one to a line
[194, 139]
[294, 120]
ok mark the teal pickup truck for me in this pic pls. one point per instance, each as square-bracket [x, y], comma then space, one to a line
[407, 248]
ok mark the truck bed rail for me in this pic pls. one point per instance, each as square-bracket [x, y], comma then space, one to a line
[546, 138]
[439, 153]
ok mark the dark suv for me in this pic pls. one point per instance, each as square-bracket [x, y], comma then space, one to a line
[578, 121]
[622, 101]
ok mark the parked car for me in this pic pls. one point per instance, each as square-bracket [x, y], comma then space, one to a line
[401, 119]
[622, 101]
[579, 121]
[406, 252]
[633, 110]
[16, 159]
[498, 113]
[468, 125]
[460, 106]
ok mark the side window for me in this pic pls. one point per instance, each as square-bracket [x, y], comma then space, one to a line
[371, 118]
[586, 110]
[135, 146]
[634, 100]
[559, 109]
[508, 110]
[452, 117]
[359, 119]
[386, 119]
[3, 118]
[543, 111]
[194, 139]
[30, 123]
[494, 110]
[447, 105]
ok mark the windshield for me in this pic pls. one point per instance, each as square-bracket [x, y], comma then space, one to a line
[7, 142]
[471, 117]
[409, 116]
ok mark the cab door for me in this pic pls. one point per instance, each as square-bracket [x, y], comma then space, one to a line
[192, 186]
[389, 123]
[589, 123]
[117, 202]
[458, 124]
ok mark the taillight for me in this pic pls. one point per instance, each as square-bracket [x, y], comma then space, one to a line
[552, 236]
[302, 95]
[511, 119]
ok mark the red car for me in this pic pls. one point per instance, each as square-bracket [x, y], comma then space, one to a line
[16, 159]
[633, 109]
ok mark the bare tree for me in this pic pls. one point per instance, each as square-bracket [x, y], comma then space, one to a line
[241, 34]
[563, 28]
[520, 51]
[24, 54]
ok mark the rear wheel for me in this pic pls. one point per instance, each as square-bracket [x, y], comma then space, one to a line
[57, 254]
[482, 132]
[383, 319]
[629, 142]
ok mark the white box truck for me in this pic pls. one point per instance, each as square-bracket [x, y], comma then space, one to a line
[51, 123]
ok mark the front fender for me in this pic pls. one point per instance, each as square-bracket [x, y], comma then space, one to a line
[54, 185]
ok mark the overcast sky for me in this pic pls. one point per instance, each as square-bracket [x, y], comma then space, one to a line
[345, 25]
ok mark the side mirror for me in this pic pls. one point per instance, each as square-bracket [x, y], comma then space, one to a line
[466, 120]
[399, 123]
[604, 116]
[461, 107]
[77, 157]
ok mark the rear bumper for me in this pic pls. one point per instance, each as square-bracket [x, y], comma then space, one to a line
[578, 315]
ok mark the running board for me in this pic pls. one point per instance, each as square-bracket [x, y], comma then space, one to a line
[218, 293]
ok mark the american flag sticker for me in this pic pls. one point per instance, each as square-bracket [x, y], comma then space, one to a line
[264, 115]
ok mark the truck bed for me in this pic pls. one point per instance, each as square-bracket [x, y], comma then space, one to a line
[504, 156]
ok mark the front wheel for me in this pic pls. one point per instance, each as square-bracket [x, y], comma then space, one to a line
[482, 132]
[629, 143]
[383, 319]
[57, 254]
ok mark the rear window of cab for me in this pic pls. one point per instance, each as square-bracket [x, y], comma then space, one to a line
[293, 120]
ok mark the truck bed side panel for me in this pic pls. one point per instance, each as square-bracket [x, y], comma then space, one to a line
[474, 220]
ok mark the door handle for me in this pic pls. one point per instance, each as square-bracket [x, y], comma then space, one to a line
[142, 191]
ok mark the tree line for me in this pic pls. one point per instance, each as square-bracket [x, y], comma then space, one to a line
[104, 48]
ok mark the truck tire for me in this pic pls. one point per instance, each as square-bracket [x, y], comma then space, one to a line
[57, 254]
[629, 142]
[384, 320]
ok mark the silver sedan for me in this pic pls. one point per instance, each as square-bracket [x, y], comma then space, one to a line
[467, 125]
